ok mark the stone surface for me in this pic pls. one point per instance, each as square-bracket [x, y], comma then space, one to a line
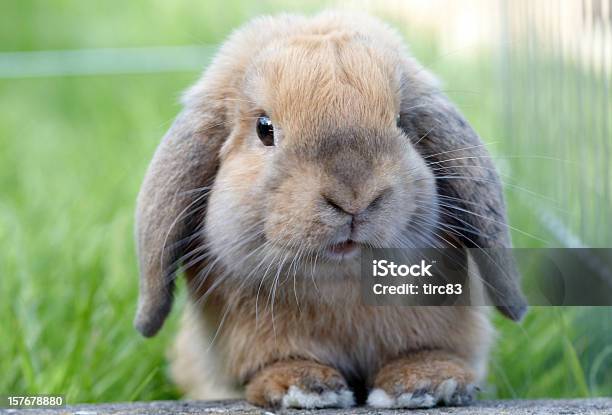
[522, 407]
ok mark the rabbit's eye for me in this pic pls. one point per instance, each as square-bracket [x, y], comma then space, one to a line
[398, 119]
[265, 130]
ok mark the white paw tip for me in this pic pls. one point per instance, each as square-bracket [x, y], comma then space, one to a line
[378, 398]
[298, 398]
[346, 399]
[410, 400]
[444, 391]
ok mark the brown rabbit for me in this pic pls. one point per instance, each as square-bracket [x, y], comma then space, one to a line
[307, 141]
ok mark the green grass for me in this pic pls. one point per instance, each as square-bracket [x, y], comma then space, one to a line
[73, 152]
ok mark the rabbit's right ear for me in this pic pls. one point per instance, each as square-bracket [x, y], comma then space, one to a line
[171, 206]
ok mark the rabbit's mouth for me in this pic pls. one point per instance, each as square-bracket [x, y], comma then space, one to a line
[343, 250]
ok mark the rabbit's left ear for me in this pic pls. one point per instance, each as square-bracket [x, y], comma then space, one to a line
[470, 191]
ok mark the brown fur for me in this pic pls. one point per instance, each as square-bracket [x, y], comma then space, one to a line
[251, 224]
[341, 332]
[330, 326]
[268, 387]
[423, 371]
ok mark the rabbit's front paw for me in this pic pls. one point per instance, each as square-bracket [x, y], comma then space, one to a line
[424, 380]
[299, 384]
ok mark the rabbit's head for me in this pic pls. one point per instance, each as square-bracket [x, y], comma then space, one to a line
[315, 163]
[306, 141]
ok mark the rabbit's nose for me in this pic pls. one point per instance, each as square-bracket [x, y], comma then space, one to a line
[354, 207]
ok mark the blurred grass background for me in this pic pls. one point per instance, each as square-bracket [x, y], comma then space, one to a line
[73, 151]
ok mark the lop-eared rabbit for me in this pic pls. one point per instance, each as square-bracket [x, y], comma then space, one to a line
[308, 141]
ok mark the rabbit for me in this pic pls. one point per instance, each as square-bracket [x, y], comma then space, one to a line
[307, 141]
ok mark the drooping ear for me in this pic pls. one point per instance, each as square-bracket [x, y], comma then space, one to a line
[170, 207]
[471, 196]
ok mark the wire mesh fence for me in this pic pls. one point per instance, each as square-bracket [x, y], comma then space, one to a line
[557, 60]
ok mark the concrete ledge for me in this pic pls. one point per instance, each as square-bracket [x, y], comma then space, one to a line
[522, 407]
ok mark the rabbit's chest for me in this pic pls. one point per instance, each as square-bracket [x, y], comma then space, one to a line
[342, 333]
